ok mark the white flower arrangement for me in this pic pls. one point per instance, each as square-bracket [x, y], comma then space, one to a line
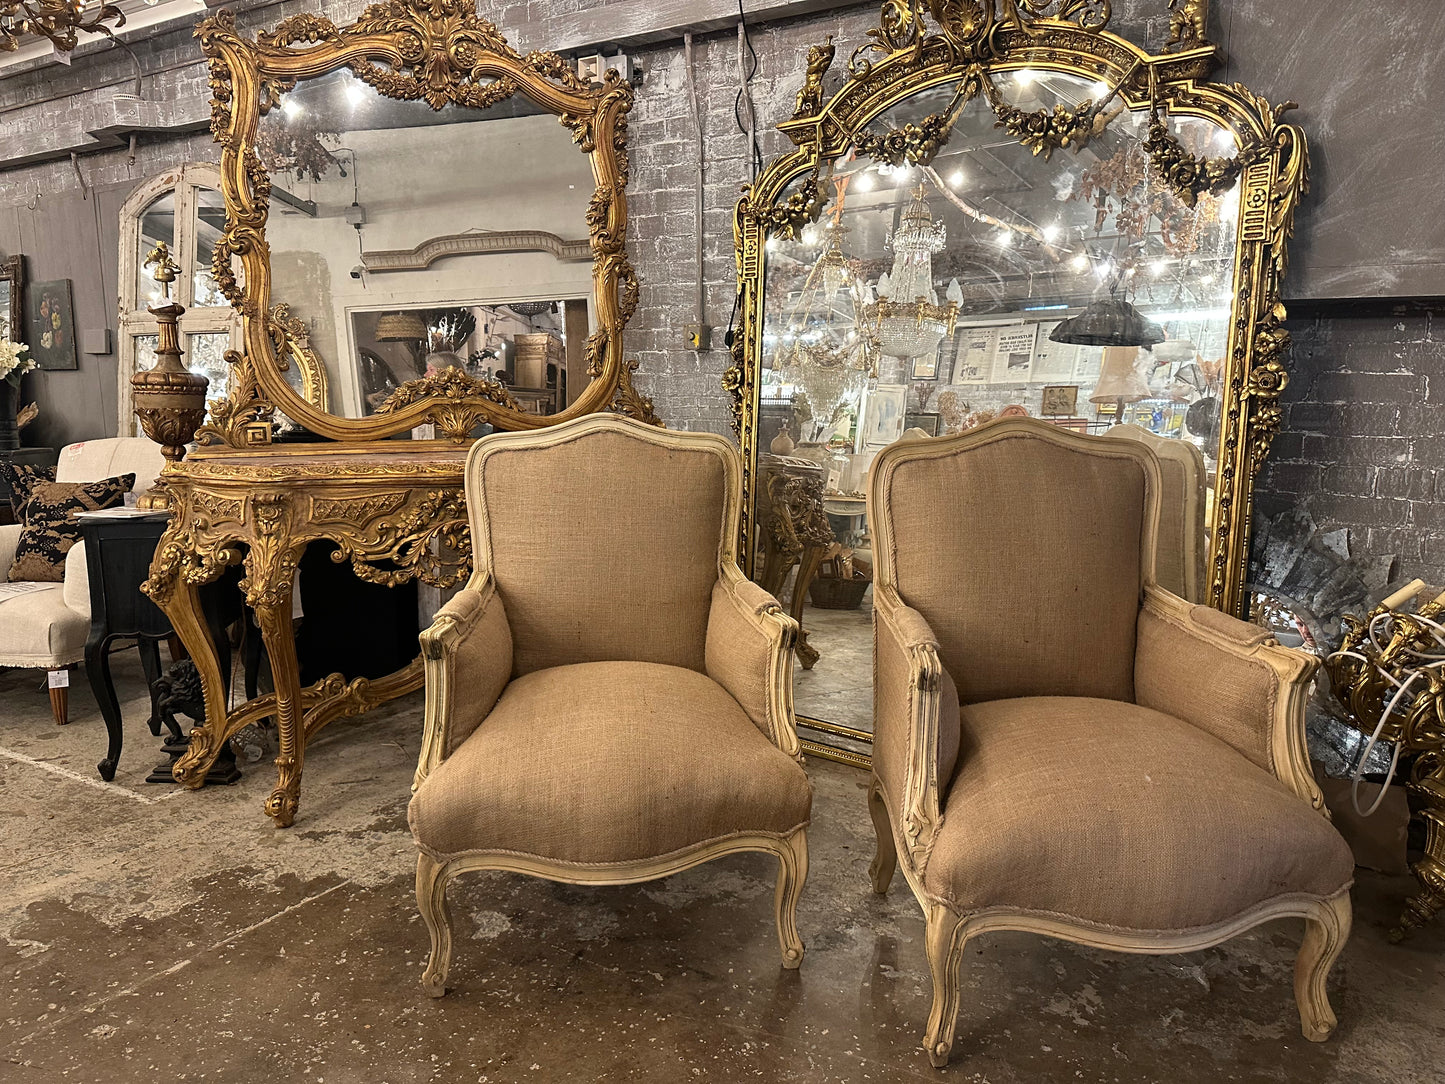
[15, 361]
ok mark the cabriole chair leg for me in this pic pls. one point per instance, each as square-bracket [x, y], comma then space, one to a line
[885, 860]
[945, 940]
[792, 872]
[1327, 928]
[431, 900]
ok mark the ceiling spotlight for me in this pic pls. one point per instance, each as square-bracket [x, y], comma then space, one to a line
[355, 92]
[1080, 262]
[1005, 238]
[1101, 90]
[810, 236]
[1206, 280]
[291, 109]
[863, 182]
[1051, 232]
[956, 178]
[1158, 267]
[1024, 77]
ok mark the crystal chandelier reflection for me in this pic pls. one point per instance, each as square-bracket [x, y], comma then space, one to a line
[904, 313]
[825, 350]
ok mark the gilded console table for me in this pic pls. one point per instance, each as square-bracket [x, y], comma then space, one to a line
[395, 510]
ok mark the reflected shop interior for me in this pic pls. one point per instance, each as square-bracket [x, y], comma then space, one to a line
[1073, 286]
[809, 542]
[403, 250]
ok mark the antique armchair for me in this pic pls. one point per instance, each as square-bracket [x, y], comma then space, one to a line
[608, 700]
[46, 628]
[1061, 746]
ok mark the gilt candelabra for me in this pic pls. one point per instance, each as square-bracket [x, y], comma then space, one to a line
[1390, 673]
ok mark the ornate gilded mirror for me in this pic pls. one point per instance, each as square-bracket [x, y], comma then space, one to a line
[1004, 209]
[435, 219]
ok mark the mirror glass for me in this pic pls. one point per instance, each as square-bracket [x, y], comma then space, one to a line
[408, 239]
[157, 225]
[926, 301]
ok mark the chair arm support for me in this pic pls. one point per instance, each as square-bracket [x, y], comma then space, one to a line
[467, 655]
[749, 652]
[1230, 679]
[916, 727]
[9, 541]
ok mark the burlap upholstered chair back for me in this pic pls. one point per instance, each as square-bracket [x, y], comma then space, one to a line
[604, 541]
[1025, 548]
[1183, 544]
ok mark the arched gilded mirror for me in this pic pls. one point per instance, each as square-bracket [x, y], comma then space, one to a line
[1002, 215]
[435, 219]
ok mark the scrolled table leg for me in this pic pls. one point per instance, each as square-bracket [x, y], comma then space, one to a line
[182, 606]
[1421, 908]
[273, 612]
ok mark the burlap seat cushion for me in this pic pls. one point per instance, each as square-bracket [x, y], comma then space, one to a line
[1121, 816]
[606, 762]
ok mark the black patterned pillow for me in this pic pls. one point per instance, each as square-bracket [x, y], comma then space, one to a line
[20, 479]
[51, 527]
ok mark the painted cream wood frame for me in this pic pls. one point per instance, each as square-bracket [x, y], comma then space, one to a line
[456, 621]
[906, 824]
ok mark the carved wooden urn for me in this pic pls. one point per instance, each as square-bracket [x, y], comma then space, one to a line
[170, 400]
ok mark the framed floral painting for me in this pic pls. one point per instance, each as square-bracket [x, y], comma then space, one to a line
[50, 325]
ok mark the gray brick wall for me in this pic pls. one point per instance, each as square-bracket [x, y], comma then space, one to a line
[1363, 443]
[1363, 447]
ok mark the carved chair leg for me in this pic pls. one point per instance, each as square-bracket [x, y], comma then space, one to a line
[885, 860]
[792, 872]
[60, 705]
[1327, 927]
[431, 898]
[945, 939]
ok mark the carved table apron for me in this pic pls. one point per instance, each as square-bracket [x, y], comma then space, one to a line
[395, 515]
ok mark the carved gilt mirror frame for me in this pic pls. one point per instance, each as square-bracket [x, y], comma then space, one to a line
[919, 46]
[442, 53]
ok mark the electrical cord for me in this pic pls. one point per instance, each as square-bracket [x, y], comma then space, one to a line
[748, 69]
[1424, 662]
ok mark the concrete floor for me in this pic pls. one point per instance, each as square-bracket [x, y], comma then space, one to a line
[148, 933]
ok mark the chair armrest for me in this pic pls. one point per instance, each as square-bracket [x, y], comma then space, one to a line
[467, 655]
[1230, 679]
[749, 652]
[76, 589]
[916, 727]
[9, 540]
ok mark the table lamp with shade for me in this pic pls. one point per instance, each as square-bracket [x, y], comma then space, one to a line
[1120, 381]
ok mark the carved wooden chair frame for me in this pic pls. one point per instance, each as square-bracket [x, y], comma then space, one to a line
[907, 824]
[455, 621]
[440, 52]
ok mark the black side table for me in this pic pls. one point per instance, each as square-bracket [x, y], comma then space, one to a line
[118, 552]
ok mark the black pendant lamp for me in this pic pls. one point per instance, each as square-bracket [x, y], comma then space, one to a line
[1108, 322]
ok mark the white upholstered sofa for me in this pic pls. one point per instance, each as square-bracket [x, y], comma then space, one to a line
[47, 628]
